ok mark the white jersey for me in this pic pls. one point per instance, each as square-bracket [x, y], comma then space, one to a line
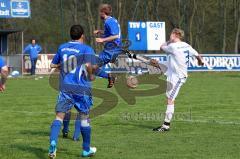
[178, 58]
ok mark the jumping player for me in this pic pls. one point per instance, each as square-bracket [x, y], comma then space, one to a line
[178, 53]
[4, 74]
[110, 34]
[76, 62]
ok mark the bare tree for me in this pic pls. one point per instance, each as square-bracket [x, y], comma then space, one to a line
[99, 21]
[236, 5]
[223, 12]
[75, 11]
[199, 23]
[237, 37]
[191, 22]
[91, 23]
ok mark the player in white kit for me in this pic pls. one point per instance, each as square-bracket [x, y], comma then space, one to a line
[178, 53]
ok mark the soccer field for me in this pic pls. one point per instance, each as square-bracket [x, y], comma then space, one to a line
[206, 124]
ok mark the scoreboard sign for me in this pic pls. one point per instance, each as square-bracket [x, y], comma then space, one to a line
[20, 8]
[15, 9]
[146, 35]
[5, 9]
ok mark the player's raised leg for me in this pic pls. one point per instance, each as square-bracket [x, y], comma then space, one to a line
[104, 58]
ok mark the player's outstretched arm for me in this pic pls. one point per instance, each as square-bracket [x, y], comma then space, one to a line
[165, 46]
[108, 39]
[98, 32]
[4, 74]
[194, 53]
[200, 61]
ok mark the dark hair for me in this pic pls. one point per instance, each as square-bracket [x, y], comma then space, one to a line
[76, 32]
[106, 8]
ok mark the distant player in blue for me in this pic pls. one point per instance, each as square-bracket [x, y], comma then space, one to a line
[76, 62]
[33, 50]
[4, 74]
[111, 33]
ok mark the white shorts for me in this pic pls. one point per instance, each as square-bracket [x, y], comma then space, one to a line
[174, 84]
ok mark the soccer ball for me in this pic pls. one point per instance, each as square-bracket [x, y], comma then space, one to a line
[15, 74]
[132, 82]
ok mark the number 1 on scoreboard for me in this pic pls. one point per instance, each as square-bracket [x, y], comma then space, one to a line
[138, 36]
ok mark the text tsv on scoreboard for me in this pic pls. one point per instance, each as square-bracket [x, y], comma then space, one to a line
[146, 35]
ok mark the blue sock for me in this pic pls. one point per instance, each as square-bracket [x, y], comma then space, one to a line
[55, 129]
[77, 129]
[66, 121]
[86, 135]
[101, 73]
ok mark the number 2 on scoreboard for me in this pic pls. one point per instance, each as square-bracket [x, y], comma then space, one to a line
[156, 36]
[138, 36]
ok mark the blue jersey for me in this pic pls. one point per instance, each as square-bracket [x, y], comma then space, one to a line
[72, 57]
[111, 28]
[2, 63]
[33, 50]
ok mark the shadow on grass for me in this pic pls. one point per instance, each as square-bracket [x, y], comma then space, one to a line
[148, 126]
[35, 132]
[40, 153]
[233, 76]
[43, 133]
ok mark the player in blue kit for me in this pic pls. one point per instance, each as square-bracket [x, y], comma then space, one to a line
[76, 62]
[33, 50]
[4, 74]
[110, 34]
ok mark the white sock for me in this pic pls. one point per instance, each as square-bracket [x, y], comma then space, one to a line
[169, 113]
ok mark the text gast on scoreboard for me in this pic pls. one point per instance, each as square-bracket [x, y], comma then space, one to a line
[15, 9]
[146, 35]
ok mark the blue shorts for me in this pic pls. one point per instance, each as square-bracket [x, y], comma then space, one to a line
[107, 56]
[66, 101]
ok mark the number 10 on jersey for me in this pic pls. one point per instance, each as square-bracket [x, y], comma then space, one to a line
[146, 35]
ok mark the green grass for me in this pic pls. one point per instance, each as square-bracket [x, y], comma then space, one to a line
[210, 132]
